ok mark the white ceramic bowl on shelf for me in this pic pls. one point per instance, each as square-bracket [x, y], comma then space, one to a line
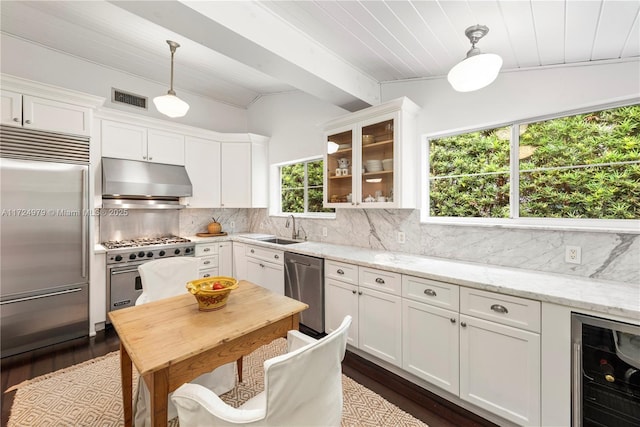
[387, 164]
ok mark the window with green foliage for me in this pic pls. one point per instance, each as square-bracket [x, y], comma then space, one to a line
[584, 166]
[301, 187]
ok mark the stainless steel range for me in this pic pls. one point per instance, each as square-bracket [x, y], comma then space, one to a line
[123, 258]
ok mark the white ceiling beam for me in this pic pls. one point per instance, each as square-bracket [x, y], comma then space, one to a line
[252, 35]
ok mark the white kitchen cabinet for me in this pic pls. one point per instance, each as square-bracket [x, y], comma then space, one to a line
[372, 299]
[239, 261]
[265, 267]
[207, 254]
[499, 363]
[340, 300]
[244, 173]
[481, 346]
[376, 163]
[225, 258]
[430, 335]
[34, 112]
[380, 314]
[129, 141]
[202, 161]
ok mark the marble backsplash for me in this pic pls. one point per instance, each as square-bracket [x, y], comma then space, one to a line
[608, 256]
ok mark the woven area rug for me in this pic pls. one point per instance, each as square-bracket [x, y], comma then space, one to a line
[89, 394]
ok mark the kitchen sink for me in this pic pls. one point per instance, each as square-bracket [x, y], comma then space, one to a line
[279, 241]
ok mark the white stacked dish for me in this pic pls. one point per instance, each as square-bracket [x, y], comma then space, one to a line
[373, 165]
[387, 164]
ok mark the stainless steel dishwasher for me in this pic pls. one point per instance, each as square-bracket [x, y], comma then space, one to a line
[304, 281]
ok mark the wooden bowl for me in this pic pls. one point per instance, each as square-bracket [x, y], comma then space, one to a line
[208, 298]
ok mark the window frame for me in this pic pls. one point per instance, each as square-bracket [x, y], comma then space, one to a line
[275, 205]
[514, 220]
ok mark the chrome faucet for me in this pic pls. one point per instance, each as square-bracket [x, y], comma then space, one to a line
[294, 234]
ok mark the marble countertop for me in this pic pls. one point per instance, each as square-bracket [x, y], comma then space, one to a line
[602, 296]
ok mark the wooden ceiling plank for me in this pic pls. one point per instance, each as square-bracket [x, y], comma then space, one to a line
[582, 20]
[616, 22]
[549, 21]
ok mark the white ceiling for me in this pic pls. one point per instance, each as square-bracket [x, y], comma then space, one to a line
[340, 51]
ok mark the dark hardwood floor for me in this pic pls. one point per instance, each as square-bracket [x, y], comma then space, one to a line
[431, 409]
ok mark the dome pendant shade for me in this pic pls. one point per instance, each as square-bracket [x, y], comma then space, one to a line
[478, 69]
[475, 72]
[170, 105]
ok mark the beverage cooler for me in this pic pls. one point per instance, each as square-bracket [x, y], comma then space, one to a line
[606, 373]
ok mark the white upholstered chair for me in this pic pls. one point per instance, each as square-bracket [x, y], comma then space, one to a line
[164, 278]
[302, 387]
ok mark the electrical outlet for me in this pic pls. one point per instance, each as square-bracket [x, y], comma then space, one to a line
[232, 224]
[572, 254]
[324, 232]
[401, 237]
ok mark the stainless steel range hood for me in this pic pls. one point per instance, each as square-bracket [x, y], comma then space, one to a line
[134, 184]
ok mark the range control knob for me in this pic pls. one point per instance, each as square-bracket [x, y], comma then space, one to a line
[187, 251]
[118, 258]
[162, 253]
[141, 254]
[149, 254]
[132, 256]
[177, 251]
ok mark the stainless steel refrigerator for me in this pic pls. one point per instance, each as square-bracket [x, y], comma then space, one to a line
[44, 289]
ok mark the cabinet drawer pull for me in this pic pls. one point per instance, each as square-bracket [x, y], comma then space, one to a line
[206, 249]
[27, 122]
[340, 271]
[15, 119]
[150, 158]
[353, 291]
[276, 256]
[430, 292]
[380, 280]
[206, 275]
[463, 324]
[359, 292]
[207, 262]
[252, 251]
[499, 308]
[453, 320]
[261, 265]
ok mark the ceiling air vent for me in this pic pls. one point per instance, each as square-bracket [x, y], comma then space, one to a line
[121, 97]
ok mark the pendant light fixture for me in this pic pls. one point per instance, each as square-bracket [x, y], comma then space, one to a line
[169, 104]
[478, 69]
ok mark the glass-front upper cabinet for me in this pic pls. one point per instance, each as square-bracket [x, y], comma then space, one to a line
[339, 168]
[372, 158]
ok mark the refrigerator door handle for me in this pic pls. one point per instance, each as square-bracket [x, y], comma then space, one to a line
[68, 291]
[85, 238]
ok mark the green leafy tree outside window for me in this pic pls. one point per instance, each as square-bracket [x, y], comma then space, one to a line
[301, 187]
[581, 166]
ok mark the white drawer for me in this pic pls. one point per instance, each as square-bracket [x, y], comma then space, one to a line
[208, 262]
[511, 311]
[204, 249]
[432, 292]
[341, 271]
[265, 254]
[381, 280]
[208, 272]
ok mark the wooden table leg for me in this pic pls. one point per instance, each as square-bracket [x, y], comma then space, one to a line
[239, 363]
[158, 383]
[126, 378]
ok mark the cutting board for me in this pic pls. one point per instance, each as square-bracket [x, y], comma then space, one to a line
[224, 233]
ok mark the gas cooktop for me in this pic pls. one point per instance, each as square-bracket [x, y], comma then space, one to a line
[144, 241]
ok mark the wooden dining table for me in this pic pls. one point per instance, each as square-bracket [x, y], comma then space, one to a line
[170, 342]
